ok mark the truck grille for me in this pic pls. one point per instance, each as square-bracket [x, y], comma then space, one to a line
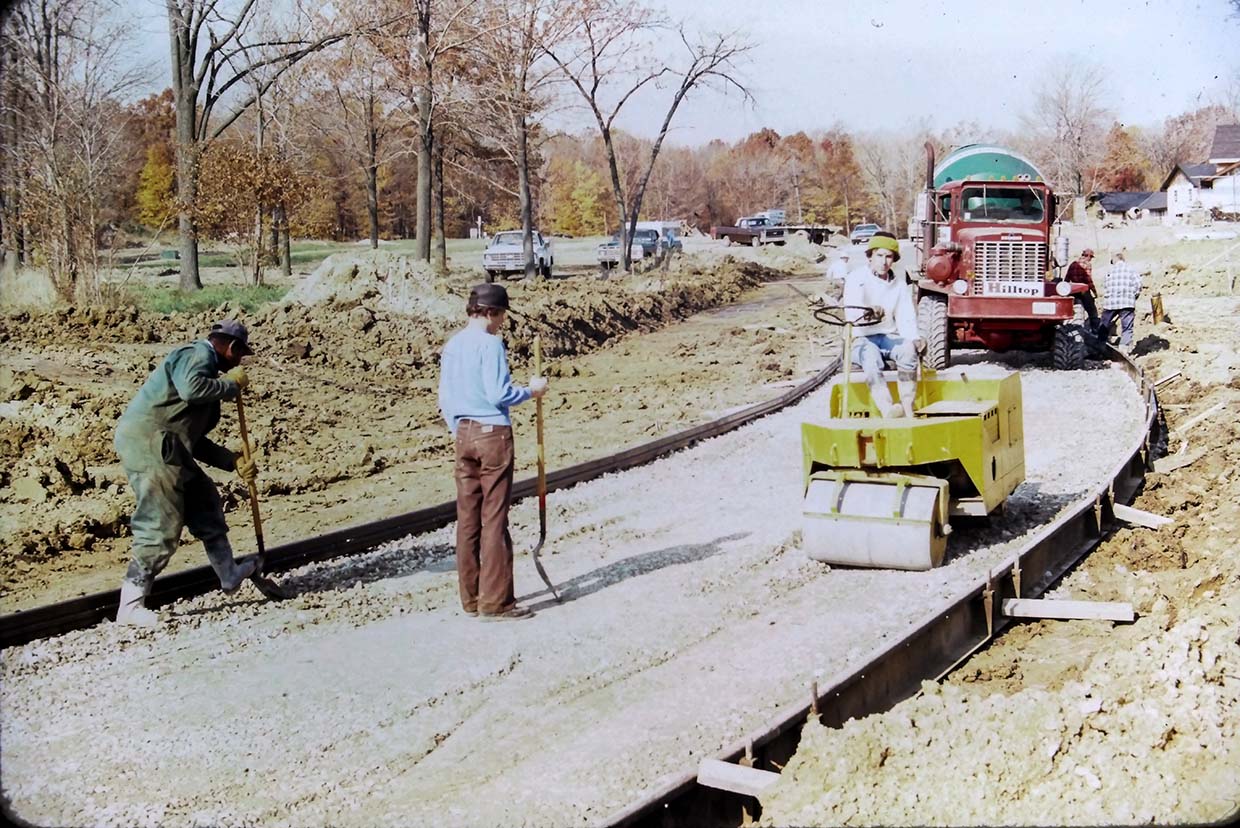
[1008, 261]
[505, 260]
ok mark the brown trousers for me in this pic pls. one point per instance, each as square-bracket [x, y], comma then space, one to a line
[484, 469]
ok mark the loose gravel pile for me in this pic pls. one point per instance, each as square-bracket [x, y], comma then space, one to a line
[689, 616]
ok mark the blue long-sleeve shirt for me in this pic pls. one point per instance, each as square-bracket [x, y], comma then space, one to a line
[474, 382]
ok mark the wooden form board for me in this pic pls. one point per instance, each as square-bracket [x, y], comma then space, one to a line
[1049, 608]
[726, 776]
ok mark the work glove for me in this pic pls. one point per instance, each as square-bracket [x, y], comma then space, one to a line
[238, 376]
[247, 470]
[919, 345]
[538, 386]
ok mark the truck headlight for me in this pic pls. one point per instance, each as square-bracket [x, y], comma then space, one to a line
[960, 287]
[1063, 288]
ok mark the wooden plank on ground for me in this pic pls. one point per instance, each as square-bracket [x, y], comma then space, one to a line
[1180, 429]
[1159, 383]
[1139, 517]
[1050, 608]
[1165, 465]
[735, 778]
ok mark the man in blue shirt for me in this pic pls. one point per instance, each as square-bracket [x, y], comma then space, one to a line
[475, 393]
[160, 438]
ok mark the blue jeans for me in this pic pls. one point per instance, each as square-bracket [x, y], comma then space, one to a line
[1127, 317]
[869, 352]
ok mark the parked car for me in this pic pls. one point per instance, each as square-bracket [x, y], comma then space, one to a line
[862, 233]
[506, 254]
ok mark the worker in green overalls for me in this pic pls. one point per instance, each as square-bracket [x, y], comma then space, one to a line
[160, 438]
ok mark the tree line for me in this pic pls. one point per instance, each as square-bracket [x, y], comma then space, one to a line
[398, 119]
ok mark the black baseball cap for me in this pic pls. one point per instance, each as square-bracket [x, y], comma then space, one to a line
[234, 330]
[489, 295]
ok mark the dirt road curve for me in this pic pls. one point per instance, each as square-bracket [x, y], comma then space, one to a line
[689, 615]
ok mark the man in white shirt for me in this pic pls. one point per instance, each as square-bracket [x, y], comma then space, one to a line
[894, 335]
[838, 271]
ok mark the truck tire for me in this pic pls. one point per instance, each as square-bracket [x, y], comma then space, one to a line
[491, 275]
[932, 323]
[1069, 351]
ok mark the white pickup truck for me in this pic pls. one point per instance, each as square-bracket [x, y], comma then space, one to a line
[505, 254]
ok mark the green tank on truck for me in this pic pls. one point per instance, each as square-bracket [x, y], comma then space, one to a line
[991, 256]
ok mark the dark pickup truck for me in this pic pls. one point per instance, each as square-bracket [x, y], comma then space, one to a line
[759, 230]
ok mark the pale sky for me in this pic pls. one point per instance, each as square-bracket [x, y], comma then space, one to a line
[887, 63]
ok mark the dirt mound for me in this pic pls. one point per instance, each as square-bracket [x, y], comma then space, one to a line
[382, 281]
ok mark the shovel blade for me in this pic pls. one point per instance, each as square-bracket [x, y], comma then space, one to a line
[270, 588]
[542, 573]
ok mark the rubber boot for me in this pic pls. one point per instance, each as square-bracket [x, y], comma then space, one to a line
[231, 574]
[132, 611]
[881, 394]
[908, 395]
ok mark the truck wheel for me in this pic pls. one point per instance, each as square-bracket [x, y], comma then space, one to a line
[933, 325]
[491, 275]
[1069, 352]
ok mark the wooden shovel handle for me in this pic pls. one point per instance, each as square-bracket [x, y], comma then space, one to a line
[245, 452]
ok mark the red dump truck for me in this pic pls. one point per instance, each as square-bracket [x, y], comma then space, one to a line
[990, 251]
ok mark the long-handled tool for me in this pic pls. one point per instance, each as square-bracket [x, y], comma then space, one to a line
[542, 475]
[264, 584]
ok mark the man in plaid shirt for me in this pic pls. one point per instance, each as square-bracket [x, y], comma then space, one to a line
[1120, 290]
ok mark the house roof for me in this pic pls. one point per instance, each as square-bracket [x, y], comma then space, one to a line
[1156, 201]
[1226, 145]
[1121, 202]
[1193, 172]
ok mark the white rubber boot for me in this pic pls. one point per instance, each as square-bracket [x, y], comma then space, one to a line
[231, 574]
[908, 395]
[132, 611]
[881, 394]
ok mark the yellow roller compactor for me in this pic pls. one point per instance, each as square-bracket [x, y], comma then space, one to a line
[881, 491]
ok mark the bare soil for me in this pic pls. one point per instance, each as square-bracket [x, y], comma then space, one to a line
[343, 411]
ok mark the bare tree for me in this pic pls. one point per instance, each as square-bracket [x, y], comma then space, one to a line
[514, 83]
[212, 61]
[1068, 123]
[425, 41]
[356, 114]
[64, 134]
[602, 62]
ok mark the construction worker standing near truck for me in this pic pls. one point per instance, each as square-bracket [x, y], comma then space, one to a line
[475, 393]
[894, 335]
[1120, 290]
[1080, 273]
[160, 439]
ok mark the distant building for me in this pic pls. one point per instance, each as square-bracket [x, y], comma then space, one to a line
[1203, 188]
[1125, 206]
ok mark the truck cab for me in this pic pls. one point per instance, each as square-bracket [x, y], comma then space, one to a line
[988, 265]
[505, 254]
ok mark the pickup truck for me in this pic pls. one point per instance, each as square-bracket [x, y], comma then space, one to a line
[762, 229]
[506, 254]
[645, 243]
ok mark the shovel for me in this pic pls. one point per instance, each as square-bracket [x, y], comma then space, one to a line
[542, 476]
[264, 584]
